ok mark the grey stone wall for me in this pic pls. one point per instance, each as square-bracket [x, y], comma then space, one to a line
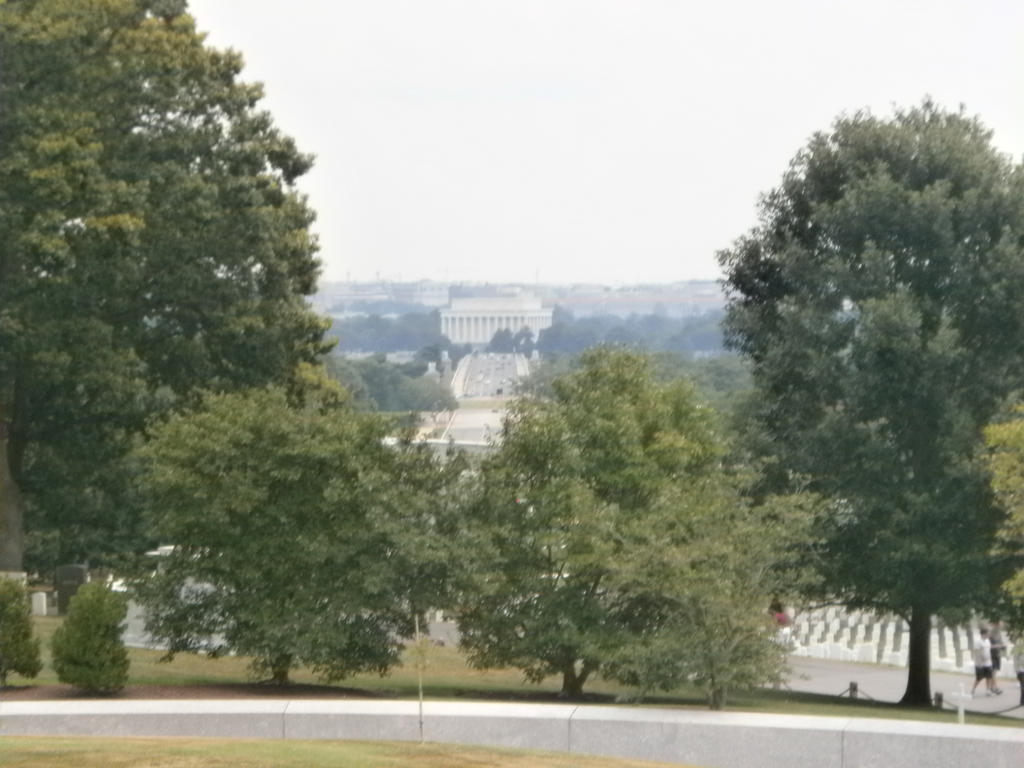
[710, 739]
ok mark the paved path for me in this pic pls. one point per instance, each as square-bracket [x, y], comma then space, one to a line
[885, 683]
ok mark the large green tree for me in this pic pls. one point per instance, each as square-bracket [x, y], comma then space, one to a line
[573, 472]
[151, 244]
[1006, 460]
[301, 536]
[693, 584]
[879, 303]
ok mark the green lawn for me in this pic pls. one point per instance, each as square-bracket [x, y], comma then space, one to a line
[448, 677]
[33, 752]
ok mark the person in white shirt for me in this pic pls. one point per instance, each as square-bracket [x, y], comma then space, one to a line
[983, 663]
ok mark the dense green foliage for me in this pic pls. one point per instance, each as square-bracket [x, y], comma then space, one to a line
[153, 245]
[879, 304]
[595, 539]
[505, 342]
[697, 576]
[501, 343]
[19, 649]
[721, 380]
[374, 333]
[1006, 461]
[390, 387]
[569, 335]
[87, 648]
[301, 537]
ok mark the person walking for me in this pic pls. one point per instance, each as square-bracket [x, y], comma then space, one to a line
[995, 636]
[983, 663]
[1018, 663]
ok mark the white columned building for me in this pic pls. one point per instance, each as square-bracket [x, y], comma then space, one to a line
[476, 320]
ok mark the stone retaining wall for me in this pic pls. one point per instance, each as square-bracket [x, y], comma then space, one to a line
[708, 739]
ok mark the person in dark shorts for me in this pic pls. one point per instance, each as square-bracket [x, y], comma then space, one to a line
[983, 663]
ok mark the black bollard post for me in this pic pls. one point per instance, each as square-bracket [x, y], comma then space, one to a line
[853, 689]
[938, 700]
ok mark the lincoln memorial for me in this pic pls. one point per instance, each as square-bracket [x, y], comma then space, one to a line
[476, 320]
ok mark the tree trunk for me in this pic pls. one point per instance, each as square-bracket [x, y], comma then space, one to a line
[919, 688]
[572, 682]
[12, 510]
[716, 697]
[715, 689]
[279, 669]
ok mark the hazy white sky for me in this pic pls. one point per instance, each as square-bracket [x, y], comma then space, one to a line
[613, 141]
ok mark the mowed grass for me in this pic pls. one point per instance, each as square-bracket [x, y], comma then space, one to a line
[33, 752]
[447, 676]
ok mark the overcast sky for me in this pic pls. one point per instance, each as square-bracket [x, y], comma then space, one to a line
[613, 141]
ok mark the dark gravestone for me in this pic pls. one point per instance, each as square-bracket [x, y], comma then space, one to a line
[69, 579]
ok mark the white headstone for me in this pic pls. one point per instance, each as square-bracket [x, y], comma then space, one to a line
[38, 603]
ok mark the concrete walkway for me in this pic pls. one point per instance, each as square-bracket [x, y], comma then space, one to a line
[886, 683]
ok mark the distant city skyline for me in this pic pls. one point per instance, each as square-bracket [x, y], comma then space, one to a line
[515, 283]
[682, 298]
[606, 141]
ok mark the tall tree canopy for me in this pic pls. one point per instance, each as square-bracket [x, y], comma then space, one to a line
[300, 537]
[1006, 460]
[152, 245]
[879, 302]
[612, 469]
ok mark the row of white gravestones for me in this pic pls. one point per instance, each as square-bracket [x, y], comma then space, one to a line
[833, 633]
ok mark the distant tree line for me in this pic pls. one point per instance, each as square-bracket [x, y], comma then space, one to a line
[723, 381]
[375, 333]
[506, 342]
[376, 384]
[569, 335]
[685, 346]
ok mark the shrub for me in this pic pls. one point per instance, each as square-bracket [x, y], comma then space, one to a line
[88, 651]
[19, 650]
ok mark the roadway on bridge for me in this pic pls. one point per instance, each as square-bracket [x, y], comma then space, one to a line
[486, 375]
[483, 384]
